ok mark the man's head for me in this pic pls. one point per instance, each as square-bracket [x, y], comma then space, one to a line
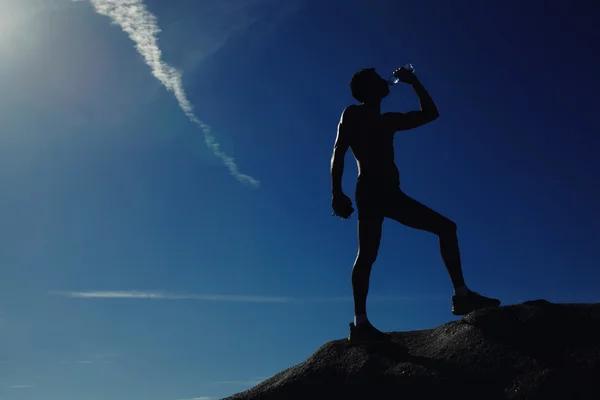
[368, 86]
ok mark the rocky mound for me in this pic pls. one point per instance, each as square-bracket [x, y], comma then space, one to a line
[535, 351]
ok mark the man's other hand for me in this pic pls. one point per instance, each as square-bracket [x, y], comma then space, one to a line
[342, 205]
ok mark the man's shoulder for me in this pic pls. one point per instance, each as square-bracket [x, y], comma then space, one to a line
[350, 113]
[352, 109]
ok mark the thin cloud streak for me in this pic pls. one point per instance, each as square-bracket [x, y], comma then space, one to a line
[174, 296]
[99, 358]
[142, 27]
[148, 295]
[20, 386]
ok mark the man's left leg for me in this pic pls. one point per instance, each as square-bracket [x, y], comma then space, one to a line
[411, 213]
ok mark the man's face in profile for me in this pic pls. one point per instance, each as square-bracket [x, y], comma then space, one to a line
[378, 87]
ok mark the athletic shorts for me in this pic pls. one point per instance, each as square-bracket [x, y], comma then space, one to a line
[379, 201]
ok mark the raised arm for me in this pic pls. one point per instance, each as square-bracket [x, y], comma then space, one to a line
[413, 119]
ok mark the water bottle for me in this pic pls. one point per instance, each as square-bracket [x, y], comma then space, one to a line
[393, 80]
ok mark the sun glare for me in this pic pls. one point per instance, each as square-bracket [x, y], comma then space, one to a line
[10, 14]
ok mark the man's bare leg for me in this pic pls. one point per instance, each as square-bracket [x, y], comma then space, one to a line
[451, 257]
[369, 237]
[416, 215]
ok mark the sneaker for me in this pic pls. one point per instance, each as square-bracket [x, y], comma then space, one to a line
[472, 301]
[365, 333]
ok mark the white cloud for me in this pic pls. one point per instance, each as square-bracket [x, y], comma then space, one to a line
[98, 358]
[174, 296]
[20, 386]
[150, 295]
[217, 21]
[142, 27]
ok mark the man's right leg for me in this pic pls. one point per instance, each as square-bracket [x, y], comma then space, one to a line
[369, 236]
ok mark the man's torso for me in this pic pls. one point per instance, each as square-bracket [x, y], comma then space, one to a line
[373, 148]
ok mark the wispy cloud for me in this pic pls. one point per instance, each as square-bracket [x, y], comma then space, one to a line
[223, 20]
[98, 358]
[149, 295]
[20, 386]
[174, 296]
[142, 27]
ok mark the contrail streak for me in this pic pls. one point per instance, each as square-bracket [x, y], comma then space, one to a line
[152, 295]
[142, 27]
[174, 296]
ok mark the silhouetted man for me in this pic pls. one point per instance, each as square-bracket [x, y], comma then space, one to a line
[370, 134]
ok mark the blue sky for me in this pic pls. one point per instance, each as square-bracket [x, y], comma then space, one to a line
[140, 261]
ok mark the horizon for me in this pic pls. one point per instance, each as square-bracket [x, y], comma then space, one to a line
[166, 194]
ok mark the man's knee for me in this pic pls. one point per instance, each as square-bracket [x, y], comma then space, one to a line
[447, 227]
[365, 259]
[362, 269]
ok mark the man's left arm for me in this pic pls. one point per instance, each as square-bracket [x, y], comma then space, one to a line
[413, 119]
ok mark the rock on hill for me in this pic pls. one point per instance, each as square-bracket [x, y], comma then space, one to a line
[531, 351]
